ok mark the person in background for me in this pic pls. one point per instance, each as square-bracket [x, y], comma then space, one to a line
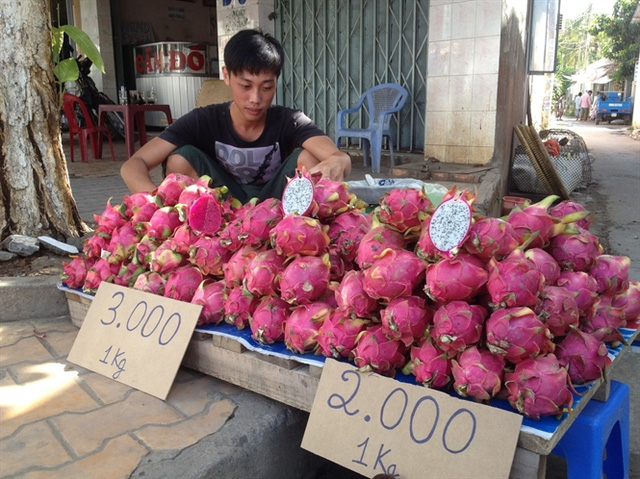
[560, 107]
[248, 145]
[595, 106]
[578, 109]
[585, 105]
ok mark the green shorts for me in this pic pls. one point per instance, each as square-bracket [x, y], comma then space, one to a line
[205, 165]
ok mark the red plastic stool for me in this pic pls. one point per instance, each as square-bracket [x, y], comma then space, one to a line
[598, 440]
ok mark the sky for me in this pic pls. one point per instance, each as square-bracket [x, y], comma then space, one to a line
[573, 8]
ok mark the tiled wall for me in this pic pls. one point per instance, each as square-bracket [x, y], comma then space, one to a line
[462, 80]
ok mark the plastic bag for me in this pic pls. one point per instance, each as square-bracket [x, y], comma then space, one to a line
[372, 189]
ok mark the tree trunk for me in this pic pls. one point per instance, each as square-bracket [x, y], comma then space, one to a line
[34, 182]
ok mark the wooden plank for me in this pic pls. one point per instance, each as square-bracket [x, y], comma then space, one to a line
[228, 344]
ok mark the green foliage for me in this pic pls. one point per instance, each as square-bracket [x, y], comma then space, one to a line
[618, 38]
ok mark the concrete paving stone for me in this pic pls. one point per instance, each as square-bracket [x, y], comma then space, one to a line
[36, 441]
[115, 461]
[106, 389]
[188, 432]
[40, 391]
[85, 433]
[13, 331]
[192, 397]
[26, 348]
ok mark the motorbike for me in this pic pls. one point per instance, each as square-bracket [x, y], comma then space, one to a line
[86, 89]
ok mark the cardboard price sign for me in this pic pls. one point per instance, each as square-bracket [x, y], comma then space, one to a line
[372, 424]
[136, 338]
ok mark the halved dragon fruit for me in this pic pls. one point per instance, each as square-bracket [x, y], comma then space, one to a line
[429, 364]
[211, 295]
[406, 318]
[205, 215]
[302, 327]
[477, 373]
[305, 279]
[457, 325]
[268, 319]
[539, 387]
[375, 352]
[458, 278]
[451, 221]
[297, 197]
[393, 274]
[337, 336]
[585, 356]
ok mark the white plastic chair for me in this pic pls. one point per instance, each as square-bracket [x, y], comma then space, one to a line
[382, 101]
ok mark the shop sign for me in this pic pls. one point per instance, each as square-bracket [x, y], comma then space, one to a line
[159, 58]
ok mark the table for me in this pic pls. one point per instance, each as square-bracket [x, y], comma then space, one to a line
[133, 118]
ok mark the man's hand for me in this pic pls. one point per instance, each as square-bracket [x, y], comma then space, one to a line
[336, 167]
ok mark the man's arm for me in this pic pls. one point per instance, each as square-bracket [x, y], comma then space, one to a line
[326, 159]
[135, 171]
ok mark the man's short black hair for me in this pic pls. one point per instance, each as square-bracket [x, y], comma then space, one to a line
[253, 51]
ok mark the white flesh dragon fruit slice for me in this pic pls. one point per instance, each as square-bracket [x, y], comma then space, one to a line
[450, 224]
[297, 197]
[205, 215]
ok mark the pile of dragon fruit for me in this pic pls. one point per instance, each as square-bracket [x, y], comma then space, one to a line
[520, 309]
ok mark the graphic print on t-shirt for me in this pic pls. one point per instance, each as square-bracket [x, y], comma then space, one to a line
[250, 165]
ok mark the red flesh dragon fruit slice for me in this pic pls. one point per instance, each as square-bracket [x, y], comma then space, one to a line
[182, 283]
[239, 306]
[352, 298]
[451, 221]
[337, 336]
[305, 279]
[629, 302]
[375, 352]
[333, 198]
[236, 268]
[457, 325]
[150, 282]
[459, 278]
[477, 373]
[268, 319]
[347, 230]
[545, 263]
[539, 387]
[584, 285]
[264, 272]
[171, 187]
[375, 242]
[257, 224]
[299, 235]
[514, 281]
[568, 207]
[575, 252]
[395, 273]
[518, 334]
[611, 273]
[205, 215]
[558, 310]
[406, 318]
[211, 295]
[209, 255]
[302, 327]
[75, 271]
[403, 209]
[429, 364]
[585, 356]
[491, 238]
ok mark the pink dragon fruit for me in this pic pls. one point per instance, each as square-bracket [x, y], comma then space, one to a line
[333, 198]
[128, 274]
[135, 201]
[211, 295]
[182, 283]
[111, 218]
[231, 230]
[604, 321]
[142, 252]
[165, 258]
[141, 213]
[100, 271]
[517, 334]
[264, 273]
[477, 373]
[539, 387]
[424, 248]
[514, 281]
[429, 364]
[171, 187]
[75, 271]
[338, 333]
[558, 310]
[200, 188]
[545, 263]
[352, 298]
[458, 278]
[239, 306]
[629, 302]
[491, 238]
[403, 209]
[347, 230]
[305, 279]
[375, 241]
[257, 225]
[183, 237]
[165, 221]
[123, 243]
[150, 282]
[457, 325]
[585, 356]
[568, 207]
[209, 255]
[575, 252]
[302, 327]
[268, 319]
[339, 265]
[300, 235]
[94, 245]
[236, 268]
[584, 285]
[406, 318]
[329, 296]
[393, 274]
[375, 352]
[611, 273]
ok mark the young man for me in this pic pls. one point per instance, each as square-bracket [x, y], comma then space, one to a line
[247, 144]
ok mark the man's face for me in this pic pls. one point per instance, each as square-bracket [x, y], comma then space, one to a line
[252, 94]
